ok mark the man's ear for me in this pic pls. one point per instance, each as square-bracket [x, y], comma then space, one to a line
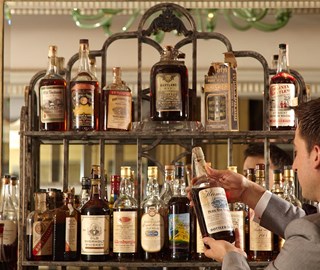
[316, 157]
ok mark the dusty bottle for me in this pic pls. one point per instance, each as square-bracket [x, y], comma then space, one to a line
[52, 96]
[84, 94]
[209, 197]
[169, 91]
[117, 104]
[153, 218]
[283, 94]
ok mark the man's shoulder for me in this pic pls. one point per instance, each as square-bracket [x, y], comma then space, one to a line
[309, 226]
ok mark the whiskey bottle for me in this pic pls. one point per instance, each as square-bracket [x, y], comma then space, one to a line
[39, 242]
[85, 191]
[169, 91]
[125, 221]
[84, 94]
[167, 189]
[261, 239]
[117, 104]
[9, 221]
[283, 94]
[95, 226]
[52, 96]
[289, 193]
[153, 218]
[213, 223]
[179, 218]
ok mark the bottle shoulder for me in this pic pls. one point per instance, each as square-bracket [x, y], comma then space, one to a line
[125, 202]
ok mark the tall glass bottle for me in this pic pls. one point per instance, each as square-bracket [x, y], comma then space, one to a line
[117, 104]
[9, 220]
[289, 193]
[283, 94]
[153, 218]
[261, 239]
[52, 96]
[167, 188]
[179, 218]
[125, 221]
[39, 242]
[213, 223]
[14, 191]
[169, 90]
[84, 94]
[95, 226]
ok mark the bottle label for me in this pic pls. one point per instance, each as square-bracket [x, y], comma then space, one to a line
[261, 239]
[215, 210]
[42, 238]
[71, 234]
[282, 96]
[10, 232]
[179, 231]
[82, 98]
[52, 107]
[168, 92]
[238, 218]
[199, 243]
[95, 231]
[152, 231]
[125, 231]
[119, 109]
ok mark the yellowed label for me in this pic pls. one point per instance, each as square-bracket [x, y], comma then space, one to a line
[42, 238]
[71, 234]
[199, 243]
[261, 239]
[238, 222]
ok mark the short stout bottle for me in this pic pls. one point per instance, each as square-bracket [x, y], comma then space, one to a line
[261, 239]
[283, 94]
[52, 96]
[153, 218]
[95, 226]
[179, 219]
[117, 104]
[169, 92]
[125, 221]
[85, 90]
[210, 203]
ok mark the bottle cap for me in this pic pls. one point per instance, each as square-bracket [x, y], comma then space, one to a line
[153, 171]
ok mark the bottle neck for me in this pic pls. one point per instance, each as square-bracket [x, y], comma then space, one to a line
[125, 187]
[283, 61]
[152, 187]
[84, 61]
[52, 68]
[41, 202]
[179, 186]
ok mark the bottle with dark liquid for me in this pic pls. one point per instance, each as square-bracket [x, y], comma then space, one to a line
[179, 218]
[283, 94]
[39, 242]
[205, 195]
[169, 91]
[84, 94]
[125, 221]
[52, 97]
[117, 104]
[261, 239]
[95, 226]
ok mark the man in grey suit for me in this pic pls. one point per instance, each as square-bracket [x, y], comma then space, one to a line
[301, 249]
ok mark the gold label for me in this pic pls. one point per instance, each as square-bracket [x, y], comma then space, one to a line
[261, 239]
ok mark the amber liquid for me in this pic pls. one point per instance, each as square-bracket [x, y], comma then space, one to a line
[287, 79]
[158, 115]
[54, 126]
[179, 249]
[223, 235]
[91, 104]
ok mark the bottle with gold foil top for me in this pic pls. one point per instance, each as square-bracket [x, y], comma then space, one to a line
[117, 104]
[283, 94]
[169, 92]
[85, 90]
[52, 96]
[261, 239]
[153, 218]
[95, 225]
[125, 221]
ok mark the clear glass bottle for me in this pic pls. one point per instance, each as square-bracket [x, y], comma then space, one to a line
[9, 219]
[14, 191]
[39, 242]
[95, 226]
[167, 188]
[85, 91]
[169, 90]
[85, 191]
[283, 94]
[208, 196]
[179, 218]
[125, 221]
[52, 96]
[153, 218]
[117, 104]
[289, 192]
[261, 239]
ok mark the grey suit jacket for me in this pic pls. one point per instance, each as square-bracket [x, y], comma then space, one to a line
[301, 250]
